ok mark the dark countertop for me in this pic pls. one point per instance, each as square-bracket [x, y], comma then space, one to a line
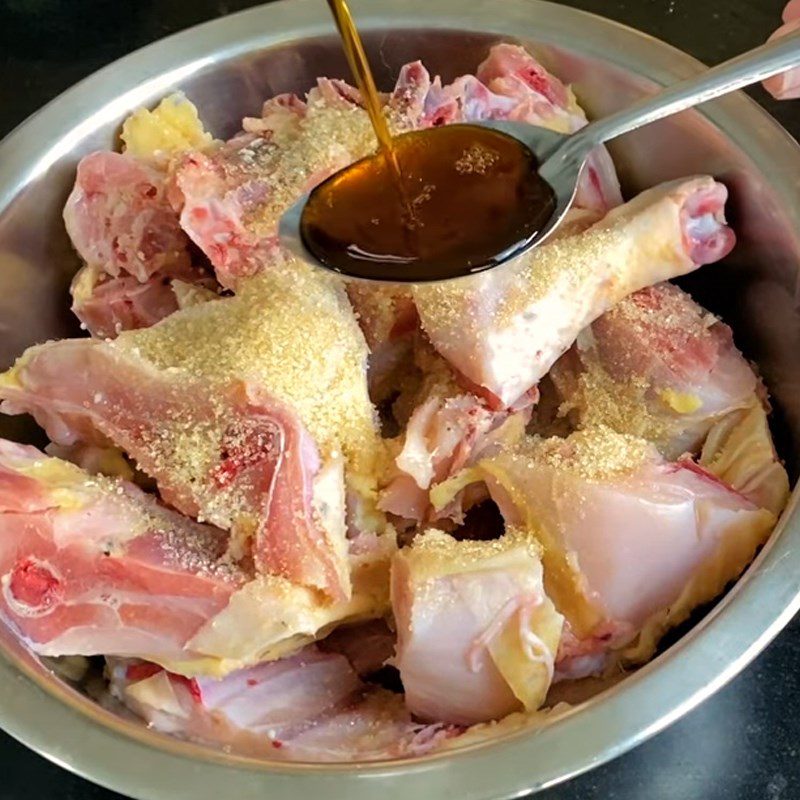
[743, 743]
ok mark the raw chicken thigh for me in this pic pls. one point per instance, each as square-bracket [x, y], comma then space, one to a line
[317, 521]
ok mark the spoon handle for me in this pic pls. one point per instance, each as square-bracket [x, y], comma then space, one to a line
[750, 67]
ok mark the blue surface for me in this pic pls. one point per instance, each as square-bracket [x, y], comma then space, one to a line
[740, 745]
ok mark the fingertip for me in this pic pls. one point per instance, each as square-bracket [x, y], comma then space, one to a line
[791, 11]
[785, 86]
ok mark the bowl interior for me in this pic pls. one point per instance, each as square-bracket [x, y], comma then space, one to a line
[754, 289]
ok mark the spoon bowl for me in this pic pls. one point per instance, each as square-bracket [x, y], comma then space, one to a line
[541, 142]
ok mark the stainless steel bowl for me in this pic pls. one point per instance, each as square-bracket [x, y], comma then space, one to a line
[227, 67]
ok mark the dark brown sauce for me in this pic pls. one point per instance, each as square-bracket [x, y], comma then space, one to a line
[430, 205]
[476, 199]
[359, 66]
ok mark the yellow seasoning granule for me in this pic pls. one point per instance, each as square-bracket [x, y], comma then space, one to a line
[594, 454]
[171, 127]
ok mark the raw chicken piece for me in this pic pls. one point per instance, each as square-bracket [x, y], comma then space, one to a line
[631, 543]
[406, 105]
[444, 435]
[271, 617]
[240, 409]
[261, 704]
[107, 306]
[249, 710]
[231, 198]
[212, 206]
[511, 71]
[466, 99]
[122, 225]
[476, 634]
[447, 430]
[119, 219]
[659, 366]
[91, 565]
[311, 706]
[505, 328]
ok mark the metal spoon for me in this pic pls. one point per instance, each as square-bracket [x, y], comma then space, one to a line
[562, 157]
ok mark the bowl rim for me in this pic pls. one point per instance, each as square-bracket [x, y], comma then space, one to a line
[58, 723]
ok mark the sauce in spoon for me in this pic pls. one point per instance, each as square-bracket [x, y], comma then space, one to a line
[474, 198]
